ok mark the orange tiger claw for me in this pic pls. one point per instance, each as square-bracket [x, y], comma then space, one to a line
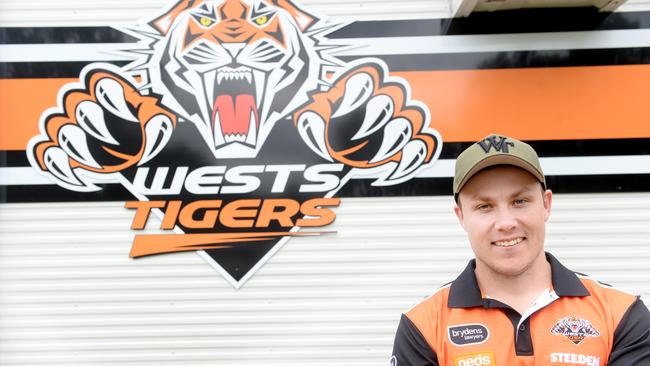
[83, 135]
[365, 120]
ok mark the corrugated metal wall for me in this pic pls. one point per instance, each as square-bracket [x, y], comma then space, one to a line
[41, 13]
[634, 5]
[69, 294]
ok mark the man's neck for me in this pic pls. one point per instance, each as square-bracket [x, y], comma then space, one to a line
[519, 292]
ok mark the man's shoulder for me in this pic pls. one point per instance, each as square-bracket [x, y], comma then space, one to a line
[599, 288]
[569, 283]
[609, 301]
[616, 299]
[430, 304]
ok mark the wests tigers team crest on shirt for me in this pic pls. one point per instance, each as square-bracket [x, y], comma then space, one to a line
[236, 124]
[575, 329]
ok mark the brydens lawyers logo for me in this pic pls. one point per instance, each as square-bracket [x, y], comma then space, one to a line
[575, 329]
[466, 334]
[236, 124]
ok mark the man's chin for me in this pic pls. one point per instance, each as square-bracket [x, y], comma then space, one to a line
[506, 268]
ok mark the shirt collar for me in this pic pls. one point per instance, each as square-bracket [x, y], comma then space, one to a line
[465, 293]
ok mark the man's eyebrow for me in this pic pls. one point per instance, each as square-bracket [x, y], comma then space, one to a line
[477, 198]
[480, 198]
[521, 191]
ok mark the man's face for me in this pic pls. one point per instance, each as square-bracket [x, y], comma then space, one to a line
[504, 212]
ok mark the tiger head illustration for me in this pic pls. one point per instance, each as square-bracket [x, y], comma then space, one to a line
[234, 67]
[241, 73]
[574, 328]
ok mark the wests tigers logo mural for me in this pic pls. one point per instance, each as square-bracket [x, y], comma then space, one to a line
[236, 124]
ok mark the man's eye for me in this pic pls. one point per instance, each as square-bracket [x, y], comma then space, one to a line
[482, 207]
[520, 202]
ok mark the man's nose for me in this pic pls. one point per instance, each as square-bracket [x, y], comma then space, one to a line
[505, 220]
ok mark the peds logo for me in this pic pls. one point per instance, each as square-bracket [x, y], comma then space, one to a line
[575, 329]
[236, 124]
[475, 359]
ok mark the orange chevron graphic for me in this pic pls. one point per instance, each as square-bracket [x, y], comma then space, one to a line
[144, 245]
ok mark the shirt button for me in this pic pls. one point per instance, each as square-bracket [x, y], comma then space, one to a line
[522, 327]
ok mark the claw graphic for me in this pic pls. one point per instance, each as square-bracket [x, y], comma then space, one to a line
[158, 131]
[58, 165]
[357, 90]
[396, 135]
[379, 111]
[312, 130]
[90, 117]
[110, 94]
[73, 142]
[413, 155]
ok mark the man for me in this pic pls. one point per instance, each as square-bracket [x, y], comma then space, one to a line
[514, 304]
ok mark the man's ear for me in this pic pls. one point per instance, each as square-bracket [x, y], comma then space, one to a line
[459, 213]
[547, 196]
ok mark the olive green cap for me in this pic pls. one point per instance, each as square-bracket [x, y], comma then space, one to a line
[492, 150]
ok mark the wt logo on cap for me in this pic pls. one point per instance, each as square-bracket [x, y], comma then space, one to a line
[500, 145]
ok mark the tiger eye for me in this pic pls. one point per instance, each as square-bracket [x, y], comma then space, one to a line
[261, 20]
[206, 22]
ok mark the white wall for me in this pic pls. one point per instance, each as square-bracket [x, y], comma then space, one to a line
[43, 13]
[69, 294]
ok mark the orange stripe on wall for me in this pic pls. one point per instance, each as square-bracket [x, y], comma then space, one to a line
[531, 104]
[22, 101]
[537, 103]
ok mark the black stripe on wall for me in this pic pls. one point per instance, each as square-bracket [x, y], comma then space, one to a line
[559, 148]
[518, 59]
[54, 193]
[354, 188]
[39, 35]
[30, 70]
[501, 22]
[558, 184]
[450, 150]
[13, 158]
[417, 62]
[506, 21]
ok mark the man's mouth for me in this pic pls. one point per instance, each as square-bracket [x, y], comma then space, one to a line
[235, 97]
[509, 242]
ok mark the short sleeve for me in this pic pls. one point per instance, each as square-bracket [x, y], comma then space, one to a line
[631, 345]
[410, 348]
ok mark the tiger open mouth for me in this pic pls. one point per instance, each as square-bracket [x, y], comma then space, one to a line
[236, 96]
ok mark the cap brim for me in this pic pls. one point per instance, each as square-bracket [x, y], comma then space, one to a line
[501, 160]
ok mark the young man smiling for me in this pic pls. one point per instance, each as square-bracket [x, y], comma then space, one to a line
[514, 304]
